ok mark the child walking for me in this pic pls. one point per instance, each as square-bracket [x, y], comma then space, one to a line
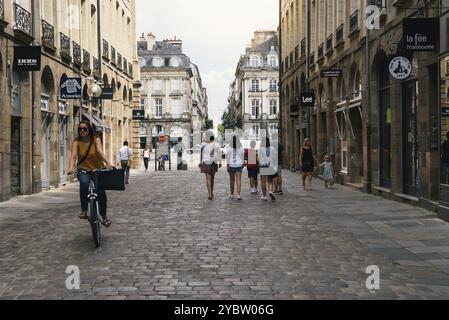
[328, 174]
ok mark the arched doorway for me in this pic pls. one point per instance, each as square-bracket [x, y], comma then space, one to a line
[47, 101]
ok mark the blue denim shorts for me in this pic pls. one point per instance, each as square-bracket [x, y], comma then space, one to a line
[232, 170]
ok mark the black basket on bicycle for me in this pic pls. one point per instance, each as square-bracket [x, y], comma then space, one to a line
[113, 180]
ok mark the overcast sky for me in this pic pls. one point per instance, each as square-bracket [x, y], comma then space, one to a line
[214, 34]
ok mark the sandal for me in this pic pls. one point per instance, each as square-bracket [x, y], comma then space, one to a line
[83, 216]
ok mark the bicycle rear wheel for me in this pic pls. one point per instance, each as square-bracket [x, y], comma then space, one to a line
[94, 221]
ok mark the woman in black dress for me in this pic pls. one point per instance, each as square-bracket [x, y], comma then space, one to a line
[307, 162]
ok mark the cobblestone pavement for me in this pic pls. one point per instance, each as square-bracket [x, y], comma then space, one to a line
[168, 241]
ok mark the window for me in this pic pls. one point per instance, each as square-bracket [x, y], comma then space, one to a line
[255, 61]
[176, 107]
[273, 85]
[175, 62]
[255, 110]
[158, 108]
[255, 85]
[142, 104]
[255, 130]
[273, 62]
[273, 107]
[157, 85]
[157, 62]
[176, 85]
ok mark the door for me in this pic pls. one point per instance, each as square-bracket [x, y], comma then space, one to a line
[16, 156]
[63, 149]
[385, 138]
[410, 138]
[45, 150]
[443, 210]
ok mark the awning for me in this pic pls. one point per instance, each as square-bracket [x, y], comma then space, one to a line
[102, 125]
[96, 122]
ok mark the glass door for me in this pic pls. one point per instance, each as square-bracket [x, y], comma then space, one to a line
[410, 138]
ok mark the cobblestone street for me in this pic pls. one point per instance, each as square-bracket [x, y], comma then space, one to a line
[168, 241]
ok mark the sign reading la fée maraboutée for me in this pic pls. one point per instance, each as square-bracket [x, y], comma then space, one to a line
[421, 34]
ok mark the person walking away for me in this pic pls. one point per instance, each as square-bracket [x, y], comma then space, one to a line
[210, 162]
[307, 162]
[125, 153]
[146, 157]
[268, 168]
[235, 160]
[278, 179]
[328, 172]
[87, 156]
[252, 165]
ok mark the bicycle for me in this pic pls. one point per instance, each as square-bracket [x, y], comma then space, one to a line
[94, 218]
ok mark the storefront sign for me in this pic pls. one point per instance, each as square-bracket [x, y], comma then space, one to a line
[138, 115]
[70, 88]
[331, 73]
[421, 34]
[400, 67]
[307, 99]
[27, 58]
[107, 93]
[445, 112]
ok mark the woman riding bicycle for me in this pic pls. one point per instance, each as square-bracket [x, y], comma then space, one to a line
[87, 156]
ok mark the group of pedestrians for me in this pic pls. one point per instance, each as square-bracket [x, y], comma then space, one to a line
[265, 162]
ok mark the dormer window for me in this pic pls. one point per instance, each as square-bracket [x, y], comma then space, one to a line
[273, 61]
[255, 61]
[175, 62]
[157, 62]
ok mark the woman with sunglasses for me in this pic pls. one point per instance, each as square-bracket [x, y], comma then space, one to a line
[87, 156]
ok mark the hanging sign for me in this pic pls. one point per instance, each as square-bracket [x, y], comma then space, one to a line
[70, 88]
[307, 99]
[27, 58]
[138, 115]
[331, 73]
[421, 34]
[400, 67]
[107, 93]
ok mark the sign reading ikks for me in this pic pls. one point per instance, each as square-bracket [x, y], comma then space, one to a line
[27, 58]
[421, 34]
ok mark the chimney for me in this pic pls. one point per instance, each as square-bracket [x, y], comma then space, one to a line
[151, 40]
[177, 43]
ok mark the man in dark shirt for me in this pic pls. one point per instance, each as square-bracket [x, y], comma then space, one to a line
[445, 160]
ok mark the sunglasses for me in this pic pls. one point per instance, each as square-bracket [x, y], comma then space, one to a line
[83, 129]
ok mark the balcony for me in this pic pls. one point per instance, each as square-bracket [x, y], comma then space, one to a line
[86, 62]
[125, 66]
[3, 23]
[76, 54]
[64, 49]
[105, 49]
[303, 47]
[48, 36]
[312, 60]
[320, 52]
[340, 35]
[130, 69]
[96, 70]
[354, 23]
[296, 53]
[329, 44]
[119, 61]
[113, 61]
[22, 24]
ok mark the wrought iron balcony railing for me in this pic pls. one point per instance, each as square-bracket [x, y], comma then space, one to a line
[312, 59]
[296, 53]
[48, 35]
[65, 46]
[86, 61]
[329, 43]
[96, 69]
[76, 54]
[130, 69]
[382, 4]
[303, 47]
[113, 55]
[2, 9]
[22, 19]
[119, 61]
[321, 52]
[354, 22]
[339, 35]
[105, 49]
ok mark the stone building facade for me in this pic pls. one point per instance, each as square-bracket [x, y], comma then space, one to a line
[38, 126]
[385, 142]
[254, 94]
[172, 92]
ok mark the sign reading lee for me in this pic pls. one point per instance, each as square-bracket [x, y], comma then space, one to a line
[307, 99]
[27, 58]
[421, 34]
[70, 88]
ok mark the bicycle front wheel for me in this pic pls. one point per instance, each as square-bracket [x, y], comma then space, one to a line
[94, 221]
